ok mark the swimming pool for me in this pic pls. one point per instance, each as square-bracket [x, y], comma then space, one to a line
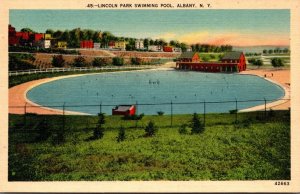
[153, 91]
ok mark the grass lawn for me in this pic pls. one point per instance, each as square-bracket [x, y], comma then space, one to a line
[19, 79]
[255, 148]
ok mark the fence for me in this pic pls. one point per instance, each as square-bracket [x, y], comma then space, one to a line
[53, 70]
[171, 108]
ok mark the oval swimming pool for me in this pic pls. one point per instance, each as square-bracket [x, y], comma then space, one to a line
[153, 91]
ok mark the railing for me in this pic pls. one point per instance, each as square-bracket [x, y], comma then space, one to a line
[52, 70]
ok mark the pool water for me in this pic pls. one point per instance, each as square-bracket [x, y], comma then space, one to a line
[147, 88]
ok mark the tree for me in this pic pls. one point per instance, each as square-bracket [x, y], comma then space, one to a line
[96, 37]
[99, 130]
[50, 31]
[44, 132]
[74, 38]
[196, 125]
[58, 61]
[79, 62]
[57, 34]
[98, 62]
[118, 61]
[150, 129]
[66, 36]
[270, 51]
[182, 129]
[258, 63]
[27, 30]
[277, 62]
[265, 51]
[121, 134]
[101, 118]
[146, 43]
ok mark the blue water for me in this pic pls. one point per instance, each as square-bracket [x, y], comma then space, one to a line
[152, 87]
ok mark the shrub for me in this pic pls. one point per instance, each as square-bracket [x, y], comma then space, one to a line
[79, 62]
[99, 62]
[277, 62]
[182, 129]
[233, 111]
[121, 135]
[160, 113]
[150, 129]
[136, 61]
[58, 61]
[44, 132]
[101, 118]
[196, 125]
[98, 132]
[118, 61]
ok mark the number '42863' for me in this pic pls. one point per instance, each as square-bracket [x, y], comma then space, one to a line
[282, 183]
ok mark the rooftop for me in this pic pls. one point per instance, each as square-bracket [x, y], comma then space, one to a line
[234, 55]
[123, 108]
[187, 55]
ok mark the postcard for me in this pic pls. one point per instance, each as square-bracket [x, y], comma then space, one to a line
[149, 96]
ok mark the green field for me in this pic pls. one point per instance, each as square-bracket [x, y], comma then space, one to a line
[257, 147]
[19, 79]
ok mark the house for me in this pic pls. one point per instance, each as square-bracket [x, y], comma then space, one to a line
[61, 44]
[97, 45]
[121, 45]
[235, 57]
[189, 49]
[126, 110]
[47, 36]
[86, 44]
[111, 45]
[177, 50]
[189, 57]
[231, 62]
[13, 40]
[168, 49]
[155, 48]
[139, 44]
[36, 37]
[43, 44]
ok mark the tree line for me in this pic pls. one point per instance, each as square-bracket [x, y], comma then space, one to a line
[74, 36]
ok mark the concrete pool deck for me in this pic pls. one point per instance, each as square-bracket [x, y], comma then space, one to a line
[17, 94]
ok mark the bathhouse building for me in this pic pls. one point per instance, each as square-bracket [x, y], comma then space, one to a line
[230, 62]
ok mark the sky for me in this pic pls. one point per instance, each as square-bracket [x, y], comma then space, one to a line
[234, 27]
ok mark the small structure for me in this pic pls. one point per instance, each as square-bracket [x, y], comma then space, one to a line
[168, 49]
[155, 48]
[86, 44]
[111, 45]
[126, 110]
[43, 44]
[36, 37]
[177, 50]
[139, 44]
[61, 44]
[97, 45]
[121, 45]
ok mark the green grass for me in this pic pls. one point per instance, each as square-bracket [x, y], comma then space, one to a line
[255, 148]
[19, 79]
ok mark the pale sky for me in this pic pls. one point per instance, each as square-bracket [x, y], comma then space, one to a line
[235, 27]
